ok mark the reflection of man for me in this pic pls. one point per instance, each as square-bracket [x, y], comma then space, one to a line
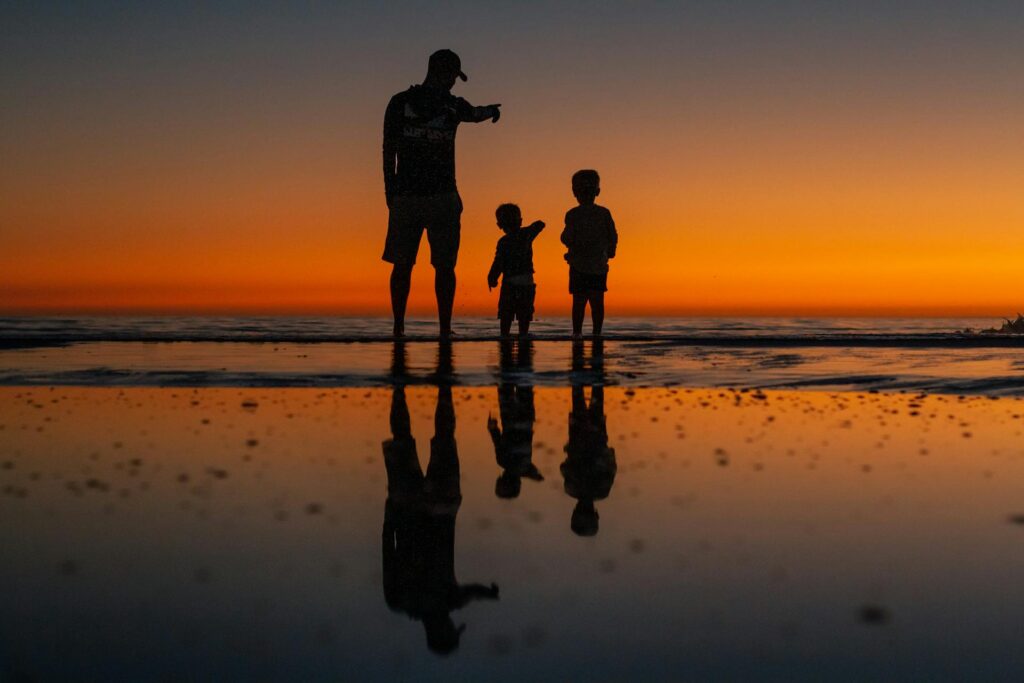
[418, 539]
[419, 182]
[399, 363]
[589, 467]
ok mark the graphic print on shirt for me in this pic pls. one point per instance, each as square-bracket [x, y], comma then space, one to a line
[441, 128]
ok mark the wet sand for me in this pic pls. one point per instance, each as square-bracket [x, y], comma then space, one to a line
[654, 362]
[264, 533]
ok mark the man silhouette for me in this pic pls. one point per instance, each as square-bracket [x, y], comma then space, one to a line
[419, 182]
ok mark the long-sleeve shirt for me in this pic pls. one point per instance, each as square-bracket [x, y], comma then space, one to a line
[513, 258]
[591, 238]
[419, 140]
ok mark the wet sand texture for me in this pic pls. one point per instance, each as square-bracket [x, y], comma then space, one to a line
[237, 533]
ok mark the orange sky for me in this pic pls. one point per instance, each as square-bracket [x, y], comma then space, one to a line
[760, 168]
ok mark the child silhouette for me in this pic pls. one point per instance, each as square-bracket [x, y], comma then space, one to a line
[513, 262]
[591, 239]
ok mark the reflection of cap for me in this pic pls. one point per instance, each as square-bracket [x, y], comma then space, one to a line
[446, 60]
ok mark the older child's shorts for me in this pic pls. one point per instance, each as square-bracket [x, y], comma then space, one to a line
[585, 283]
[516, 301]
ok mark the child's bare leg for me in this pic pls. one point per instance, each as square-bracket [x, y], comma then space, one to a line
[597, 311]
[506, 324]
[579, 308]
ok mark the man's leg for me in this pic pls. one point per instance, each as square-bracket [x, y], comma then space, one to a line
[444, 234]
[401, 279]
[444, 288]
[405, 229]
[597, 311]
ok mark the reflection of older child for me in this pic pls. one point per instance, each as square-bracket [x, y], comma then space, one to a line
[589, 467]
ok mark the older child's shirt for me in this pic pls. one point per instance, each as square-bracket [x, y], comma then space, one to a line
[591, 238]
[513, 259]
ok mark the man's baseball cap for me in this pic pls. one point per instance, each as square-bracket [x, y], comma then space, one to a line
[446, 60]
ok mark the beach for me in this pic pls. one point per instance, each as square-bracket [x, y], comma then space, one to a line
[478, 341]
[593, 530]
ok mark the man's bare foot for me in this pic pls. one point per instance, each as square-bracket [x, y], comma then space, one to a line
[398, 330]
[446, 334]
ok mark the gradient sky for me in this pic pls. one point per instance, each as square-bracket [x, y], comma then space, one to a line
[802, 158]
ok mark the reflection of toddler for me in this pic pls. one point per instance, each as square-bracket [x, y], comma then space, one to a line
[513, 447]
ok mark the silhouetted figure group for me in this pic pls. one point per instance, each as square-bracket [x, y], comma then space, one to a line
[418, 536]
[419, 185]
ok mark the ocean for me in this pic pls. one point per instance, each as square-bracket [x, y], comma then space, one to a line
[877, 354]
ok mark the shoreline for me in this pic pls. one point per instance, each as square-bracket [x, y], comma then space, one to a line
[995, 371]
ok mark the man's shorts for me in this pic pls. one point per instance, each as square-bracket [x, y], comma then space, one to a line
[516, 301]
[440, 215]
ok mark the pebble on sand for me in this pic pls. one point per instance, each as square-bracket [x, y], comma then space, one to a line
[874, 615]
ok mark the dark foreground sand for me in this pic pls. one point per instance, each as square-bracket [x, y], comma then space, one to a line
[218, 534]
